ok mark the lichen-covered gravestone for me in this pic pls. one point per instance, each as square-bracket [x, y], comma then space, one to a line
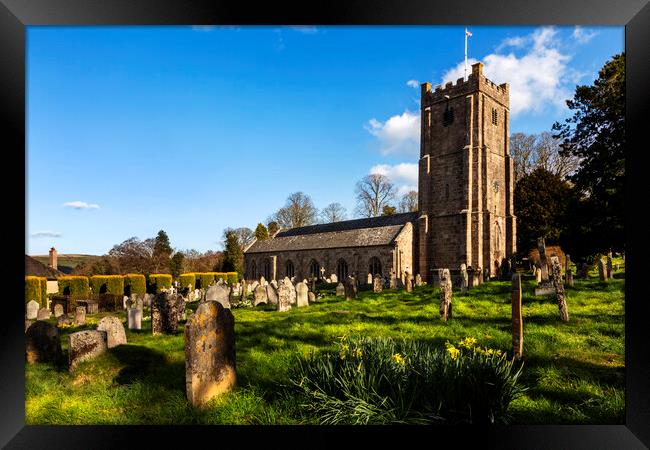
[43, 314]
[445, 294]
[301, 295]
[218, 292]
[31, 310]
[58, 310]
[210, 367]
[340, 290]
[85, 345]
[559, 289]
[377, 284]
[350, 288]
[43, 343]
[80, 315]
[408, 282]
[114, 329]
[260, 295]
[272, 294]
[538, 275]
[284, 296]
[517, 319]
[164, 313]
[134, 318]
[369, 279]
[292, 296]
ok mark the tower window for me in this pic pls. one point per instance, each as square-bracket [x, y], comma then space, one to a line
[448, 117]
[494, 116]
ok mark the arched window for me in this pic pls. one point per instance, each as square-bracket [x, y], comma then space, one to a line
[375, 266]
[314, 269]
[253, 270]
[341, 269]
[267, 269]
[289, 268]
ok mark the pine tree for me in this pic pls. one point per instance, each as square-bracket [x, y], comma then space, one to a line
[233, 256]
[261, 233]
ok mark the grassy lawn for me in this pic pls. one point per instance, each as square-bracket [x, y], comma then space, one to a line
[574, 371]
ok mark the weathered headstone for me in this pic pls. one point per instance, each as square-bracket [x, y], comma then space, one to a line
[408, 282]
[602, 270]
[311, 297]
[334, 278]
[369, 278]
[377, 284]
[350, 288]
[58, 310]
[164, 313]
[274, 283]
[301, 295]
[541, 247]
[284, 296]
[263, 281]
[272, 293]
[559, 288]
[463, 278]
[568, 271]
[393, 279]
[43, 314]
[418, 280]
[80, 316]
[609, 265]
[85, 345]
[260, 295]
[517, 319]
[63, 320]
[292, 287]
[538, 275]
[114, 329]
[219, 293]
[445, 295]
[210, 363]
[340, 290]
[43, 343]
[31, 309]
[506, 269]
[253, 285]
[134, 318]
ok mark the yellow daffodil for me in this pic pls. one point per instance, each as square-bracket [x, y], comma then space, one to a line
[399, 359]
[453, 351]
[358, 353]
[468, 342]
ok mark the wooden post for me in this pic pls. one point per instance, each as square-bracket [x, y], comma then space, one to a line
[559, 289]
[517, 320]
[445, 295]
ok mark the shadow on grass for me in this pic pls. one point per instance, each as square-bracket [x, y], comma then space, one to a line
[148, 365]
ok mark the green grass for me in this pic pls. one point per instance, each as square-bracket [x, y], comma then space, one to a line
[574, 371]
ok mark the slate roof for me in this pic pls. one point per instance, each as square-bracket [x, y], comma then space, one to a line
[36, 268]
[349, 233]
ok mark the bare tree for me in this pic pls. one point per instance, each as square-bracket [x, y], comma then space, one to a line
[532, 151]
[333, 212]
[408, 202]
[244, 235]
[195, 261]
[134, 255]
[298, 211]
[522, 149]
[373, 192]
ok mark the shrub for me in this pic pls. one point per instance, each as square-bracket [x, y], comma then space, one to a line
[381, 381]
[231, 277]
[34, 290]
[135, 283]
[205, 279]
[186, 279]
[107, 284]
[75, 286]
[159, 281]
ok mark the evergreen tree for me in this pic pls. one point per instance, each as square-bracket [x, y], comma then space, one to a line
[176, 264]
[261, 233]
[233, 256]
[162, 251]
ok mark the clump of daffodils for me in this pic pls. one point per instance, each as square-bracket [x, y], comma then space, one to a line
[469, 344]
[453, 351]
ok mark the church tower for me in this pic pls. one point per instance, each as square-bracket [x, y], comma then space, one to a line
[465, 182]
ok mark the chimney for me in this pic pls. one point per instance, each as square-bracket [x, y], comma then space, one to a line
[53, 258]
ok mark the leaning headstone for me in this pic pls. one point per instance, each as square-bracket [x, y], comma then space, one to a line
[463, 278]
[134, 318]
[602, 270]
[260, 295]
[340, 290]
[219, 293]
[369, 278]
[284, 296]
[559, 289]
[311, 297]
[210, 363]
[272, 293]
[517, 320]
[43, 314]
[301, 295]
[58, 310]
[377, 284]
[31, 310]
[80, 316]
[43, 343]
[85, 345]
[164, 314]
[609, 265]
[418, 280]
[114, 329]
[445, 295]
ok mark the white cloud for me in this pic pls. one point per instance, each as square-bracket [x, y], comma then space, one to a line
[50, 234]
[413, 83]
[516, 42]
[583, 36]
[204, 28]
[398, 134]
[537, 79]
[81, 205]
[403, 175]
[305, 29]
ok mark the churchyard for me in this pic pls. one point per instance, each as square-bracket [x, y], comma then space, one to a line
[573, 371]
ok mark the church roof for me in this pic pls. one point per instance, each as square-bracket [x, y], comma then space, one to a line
[36, 268]
[349, 233]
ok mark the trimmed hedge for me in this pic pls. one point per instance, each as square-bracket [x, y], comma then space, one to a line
[206, 278]
[114, 284]
[231, 277]
[34, 290]
[158, 281]
[186, 279]
[75, 286]
[135, 283]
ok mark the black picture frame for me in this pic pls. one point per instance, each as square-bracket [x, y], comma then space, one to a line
[15, 15]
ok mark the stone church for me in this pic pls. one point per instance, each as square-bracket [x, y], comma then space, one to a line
[465, 202]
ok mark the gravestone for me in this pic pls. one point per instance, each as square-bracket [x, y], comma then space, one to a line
[334, 278]
[445, 295]
[80, 316]
[538, 275]
[114, 329]
[210, 363]
[408, 282]
[125, 300]
[262, 281]
[393, 280]
[43, 343]
[350, 288]
[609, 265]
[291, 286]
[463, 279]
[559, 288]
[377, 284]
[259, 295]
[219, 293]
[418, 280]
[164, 313]
[301, 295]
[272, 293]
[369, 278]
[340, 290]
[543, 263]
[506, 269]
[85, 345]
[568, 271]
[31, 310]
[312, 284]
[63, 320]
[602, 270]
[284, 296]
[43, 314]
[311, 297]
[92, 306]
[274, 283]
[58, 310]
[253, 286]
[328, 280]
[517, 319]
[134, 318]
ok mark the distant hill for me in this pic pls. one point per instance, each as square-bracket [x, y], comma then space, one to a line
[66, 262]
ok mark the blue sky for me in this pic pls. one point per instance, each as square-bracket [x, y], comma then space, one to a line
[193, 129]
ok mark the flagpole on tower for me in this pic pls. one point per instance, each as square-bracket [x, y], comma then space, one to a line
[465, 78]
